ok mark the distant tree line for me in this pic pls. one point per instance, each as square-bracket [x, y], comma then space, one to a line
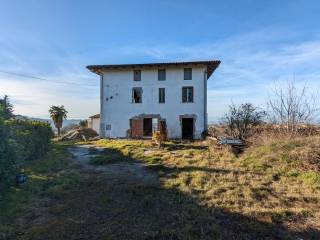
[20, 142]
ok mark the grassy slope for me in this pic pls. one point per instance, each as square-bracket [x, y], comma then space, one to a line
[271, 191]
[48, 179]
[275, 183]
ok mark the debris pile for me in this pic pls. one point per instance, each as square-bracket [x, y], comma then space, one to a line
[80, 134]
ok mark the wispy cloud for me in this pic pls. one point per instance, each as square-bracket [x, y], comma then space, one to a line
[251, 63]
[64, 80]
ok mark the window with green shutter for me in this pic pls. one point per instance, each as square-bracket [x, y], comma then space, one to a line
[162, 95]
[187, 94]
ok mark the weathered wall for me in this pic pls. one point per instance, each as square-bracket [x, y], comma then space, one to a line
[94, 123]
[117, 107]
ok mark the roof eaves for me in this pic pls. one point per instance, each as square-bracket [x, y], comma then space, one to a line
[211, 65]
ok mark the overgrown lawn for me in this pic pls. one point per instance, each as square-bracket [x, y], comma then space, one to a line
[48, 178]
[276, 183]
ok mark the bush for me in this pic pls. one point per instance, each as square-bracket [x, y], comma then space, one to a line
[8, 163]
[240, 120]
[83, 123]
[20, 141]
[32, 138]
[8, 158]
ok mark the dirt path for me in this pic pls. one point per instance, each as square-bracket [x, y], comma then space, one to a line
[125, 200]
[133, 172]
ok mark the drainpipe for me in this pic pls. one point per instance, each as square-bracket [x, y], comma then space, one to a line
[205, 115]
[102, 125]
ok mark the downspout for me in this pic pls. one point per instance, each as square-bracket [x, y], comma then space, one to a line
[205, 115]
[102, 127]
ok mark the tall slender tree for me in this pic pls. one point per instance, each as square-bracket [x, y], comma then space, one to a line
[57, 114]
[6, 108]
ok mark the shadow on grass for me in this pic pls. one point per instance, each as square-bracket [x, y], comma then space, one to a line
[173, 146]
[170, 170]
[115, 208]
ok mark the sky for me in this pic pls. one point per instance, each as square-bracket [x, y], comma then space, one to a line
[260, 44]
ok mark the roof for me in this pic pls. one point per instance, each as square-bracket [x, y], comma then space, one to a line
[95, 116]
[211, 66]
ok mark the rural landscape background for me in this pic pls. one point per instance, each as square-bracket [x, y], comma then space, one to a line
[255, 174]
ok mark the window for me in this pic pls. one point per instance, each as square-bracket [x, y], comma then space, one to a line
[137, 95]
[187, 73]
[187, 94]
[161, 74]
[162, 95]
[137, 75]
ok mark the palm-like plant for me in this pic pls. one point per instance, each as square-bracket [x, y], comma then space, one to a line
[57, 114]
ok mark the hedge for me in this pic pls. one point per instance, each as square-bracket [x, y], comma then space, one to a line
[20, 142]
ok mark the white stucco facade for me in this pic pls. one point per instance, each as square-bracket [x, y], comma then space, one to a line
[94, 123]
[116, 99]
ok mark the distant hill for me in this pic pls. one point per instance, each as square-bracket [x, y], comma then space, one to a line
[66, 122]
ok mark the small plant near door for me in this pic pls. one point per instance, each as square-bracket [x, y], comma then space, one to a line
[159, 136]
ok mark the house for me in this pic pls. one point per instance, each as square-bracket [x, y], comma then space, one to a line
[135, 99]
[94, 122]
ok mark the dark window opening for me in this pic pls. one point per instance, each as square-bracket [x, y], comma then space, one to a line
[137, 95]
[187, 125]
[187, 74]
[137, 75]
[162, 95]
[147, 127]
[161, 74]
[187, 94]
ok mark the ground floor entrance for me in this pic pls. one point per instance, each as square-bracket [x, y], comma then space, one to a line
[143, 126]
[187, 128]
[147, 127]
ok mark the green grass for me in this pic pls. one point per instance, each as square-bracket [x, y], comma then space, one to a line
[109, 156]
[48, 178]
[204, 192]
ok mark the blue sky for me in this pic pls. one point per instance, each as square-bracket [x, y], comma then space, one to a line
[259, 42]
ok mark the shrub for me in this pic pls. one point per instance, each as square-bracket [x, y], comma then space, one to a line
[20, 141]
[83, 123]
[8, 158]
[8, 163]
[240, 120]
[32, 138]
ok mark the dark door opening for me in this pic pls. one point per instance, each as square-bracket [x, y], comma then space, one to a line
[147, 127]
[187, 128]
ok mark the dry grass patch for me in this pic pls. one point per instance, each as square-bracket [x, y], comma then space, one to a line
[275, 182]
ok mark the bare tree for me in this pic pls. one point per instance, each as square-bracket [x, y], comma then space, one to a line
[291, 107]
[241, 119]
